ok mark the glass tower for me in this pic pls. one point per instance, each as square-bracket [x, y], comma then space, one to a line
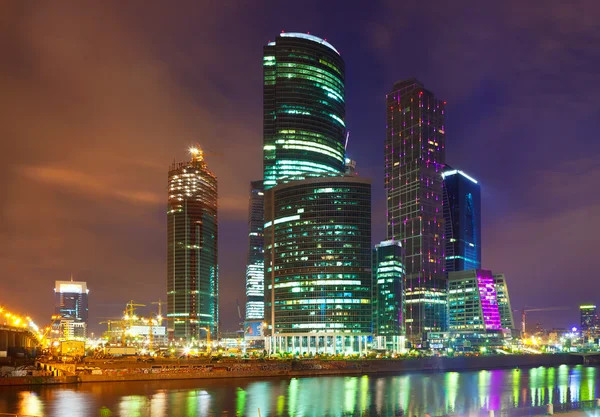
[506, 315]
[304, 109]
[71, 300]
[472, 302]
[414, 160]
[192, 236]
[388, 294]
[255, 271]
[462, 217]
[589, 320]
[318, 264]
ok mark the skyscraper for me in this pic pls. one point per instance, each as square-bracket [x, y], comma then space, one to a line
[472, 302]
[71, 299]
[462, 217]
[318, 265]
[388, 295]
[304, 109]
[414, 160]
[506, 315]
[255, 270]
[192, 237]
[589, 320]
[71, 305]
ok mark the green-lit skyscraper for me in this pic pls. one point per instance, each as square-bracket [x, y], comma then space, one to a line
[318, 265]
[304, 109]
[192, 271]
[388, 296]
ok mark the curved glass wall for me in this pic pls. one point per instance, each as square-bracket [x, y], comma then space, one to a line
[304, 109]
[318, 256]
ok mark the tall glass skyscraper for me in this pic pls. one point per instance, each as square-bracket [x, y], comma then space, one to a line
[71, 300]
[590, 326]
[192, 255]
[318, 265]
[414, 160]
[255, 268]
[388, 295]
[304, 109]
[462, 216]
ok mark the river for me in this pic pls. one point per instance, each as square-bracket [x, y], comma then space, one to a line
[375, 395]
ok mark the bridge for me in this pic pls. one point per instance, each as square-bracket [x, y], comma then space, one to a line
[17, 332]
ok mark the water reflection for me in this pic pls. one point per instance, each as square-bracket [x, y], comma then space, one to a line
[409, 394]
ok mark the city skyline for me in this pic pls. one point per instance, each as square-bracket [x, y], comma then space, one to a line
[105, 221]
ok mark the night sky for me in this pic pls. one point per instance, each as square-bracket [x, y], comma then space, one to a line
[98, 98]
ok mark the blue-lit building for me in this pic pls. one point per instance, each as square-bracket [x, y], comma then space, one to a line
[255, 272]
[462, 217]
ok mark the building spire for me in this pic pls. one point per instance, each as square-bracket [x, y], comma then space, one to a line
[197, 153]
[71, 277]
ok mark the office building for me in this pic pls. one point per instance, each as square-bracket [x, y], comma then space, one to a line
[414, 160]
[388, 296]
[255, 272]
[318, 265]
[462, 220]
[192, 255]
[71, 302]
[472, 303]
[304, 109]
[504, 308]
[590, 326]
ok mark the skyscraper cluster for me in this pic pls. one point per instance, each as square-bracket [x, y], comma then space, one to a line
[313, 280]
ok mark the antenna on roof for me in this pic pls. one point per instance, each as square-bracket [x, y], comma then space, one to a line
[347, 138]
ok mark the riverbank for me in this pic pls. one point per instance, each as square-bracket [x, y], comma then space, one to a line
[123, 370]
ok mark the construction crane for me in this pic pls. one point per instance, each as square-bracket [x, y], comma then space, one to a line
[527, 310]
[129, 317]
[54, 319]
[159, 303]
[241, 331]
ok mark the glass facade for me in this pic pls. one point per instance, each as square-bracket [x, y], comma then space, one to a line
[71, 302]
[255, 270]
[589, 320]
[472, 303]
[462, 217]
[388, 289]
[304, 109]
[192, 255]
[318, 259]
[414, 160]
[506, 315]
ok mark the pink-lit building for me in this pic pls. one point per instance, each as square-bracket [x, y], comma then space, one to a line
[472, 302]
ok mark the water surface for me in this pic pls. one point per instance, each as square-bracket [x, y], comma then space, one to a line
[382, 395]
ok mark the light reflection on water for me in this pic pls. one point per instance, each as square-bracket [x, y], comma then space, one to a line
[384, 395]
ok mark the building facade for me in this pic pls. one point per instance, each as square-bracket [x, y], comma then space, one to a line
[71, 301]
[414, 160]
[388, 296]
[504, 307]
[318, 265]
[192, 250]
[472, 303]
[304, 109]
[255, 269]
[462, 221]
[590, 326]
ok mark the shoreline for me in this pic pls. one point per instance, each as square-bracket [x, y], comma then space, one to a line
[125, 371]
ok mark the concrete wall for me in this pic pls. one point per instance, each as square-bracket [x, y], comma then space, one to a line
[146, 372]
